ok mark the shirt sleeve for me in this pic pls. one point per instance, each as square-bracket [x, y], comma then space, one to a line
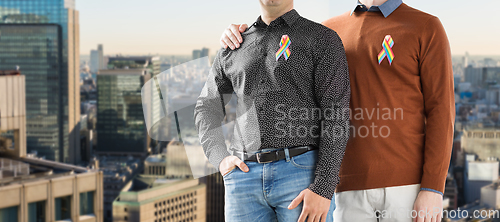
[209, 113]
[332, 92]
[436, 74]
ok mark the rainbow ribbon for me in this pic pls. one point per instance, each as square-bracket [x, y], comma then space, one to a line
[387, 51]
[284, 47]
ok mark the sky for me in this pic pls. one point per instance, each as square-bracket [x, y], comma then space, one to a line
[174, 27]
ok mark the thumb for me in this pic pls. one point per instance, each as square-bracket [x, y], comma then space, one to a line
[243, 27]
[243, 167]
[295, 202]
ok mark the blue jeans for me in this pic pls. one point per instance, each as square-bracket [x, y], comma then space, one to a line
[264, 193]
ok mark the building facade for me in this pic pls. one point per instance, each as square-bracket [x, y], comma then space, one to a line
[120, 120]
[34, 189]
[161, 200]
[42, 39]
[44, 190]
[482, 142]
[12, 113]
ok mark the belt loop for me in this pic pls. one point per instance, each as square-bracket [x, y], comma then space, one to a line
[287, 155]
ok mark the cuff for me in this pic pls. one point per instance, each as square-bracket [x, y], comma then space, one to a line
[433, 182]
[217, 157]
[432, 190]
[323, 187]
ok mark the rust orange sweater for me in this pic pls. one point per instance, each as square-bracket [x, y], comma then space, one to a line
[402, 113]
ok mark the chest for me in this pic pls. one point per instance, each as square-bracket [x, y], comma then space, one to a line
[390, 49]
[273, 60]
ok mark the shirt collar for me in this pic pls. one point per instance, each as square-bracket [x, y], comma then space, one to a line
[289, 18]
[387, 8]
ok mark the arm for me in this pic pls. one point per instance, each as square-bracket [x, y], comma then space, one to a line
[332, 91]
[209, 113]
[436, 75]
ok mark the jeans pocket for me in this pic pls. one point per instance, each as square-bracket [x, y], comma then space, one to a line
[230, 172]
[306, 160]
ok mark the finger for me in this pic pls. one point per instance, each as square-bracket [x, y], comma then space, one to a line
[418, 218]
[295, 202]
[317, 218]
[243, 27]
[236, 35]
[303, 216]
[323, 217]
[439, 218]
[237, 162]
[228, 42]
[311, 218]
[223, 44]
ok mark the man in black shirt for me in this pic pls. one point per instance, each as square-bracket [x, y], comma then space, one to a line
[291, 81]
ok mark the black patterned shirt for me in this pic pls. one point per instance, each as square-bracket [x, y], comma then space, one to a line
[291, 82]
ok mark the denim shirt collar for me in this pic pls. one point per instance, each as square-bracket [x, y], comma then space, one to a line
[387, 8]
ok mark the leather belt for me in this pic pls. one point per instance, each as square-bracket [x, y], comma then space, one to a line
[274, 155]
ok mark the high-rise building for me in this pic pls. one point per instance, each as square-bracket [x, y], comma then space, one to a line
[12, 113]
[204, 52]
[151, 199]
[474, 76]
[196, 54]
[34, 189]
[97, 59]
[49, 31]
[120, 120]
[100, 52]
[152, 64]
[94, 61]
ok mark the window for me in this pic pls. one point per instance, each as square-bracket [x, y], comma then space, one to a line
[87, 203]
[63, 208]
[36, 212]
[8, 214]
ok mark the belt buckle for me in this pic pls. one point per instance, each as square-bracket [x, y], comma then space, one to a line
[258, 157]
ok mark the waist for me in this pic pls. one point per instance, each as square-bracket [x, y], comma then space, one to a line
[272, 154]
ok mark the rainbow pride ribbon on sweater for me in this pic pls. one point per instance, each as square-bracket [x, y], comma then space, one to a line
[284, 47]
[387, 51]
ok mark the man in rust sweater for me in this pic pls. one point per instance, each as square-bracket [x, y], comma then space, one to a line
[402, 112]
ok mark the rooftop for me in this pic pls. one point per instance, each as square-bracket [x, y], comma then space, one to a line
[14, 170]
[10, 72]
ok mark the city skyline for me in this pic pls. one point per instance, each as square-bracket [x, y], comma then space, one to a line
[170, 29]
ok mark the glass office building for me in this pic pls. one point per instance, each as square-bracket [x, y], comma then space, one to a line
[152, 64]
[120, 119]
[41, 38]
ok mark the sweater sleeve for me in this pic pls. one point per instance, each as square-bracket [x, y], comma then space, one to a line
[436, 75]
